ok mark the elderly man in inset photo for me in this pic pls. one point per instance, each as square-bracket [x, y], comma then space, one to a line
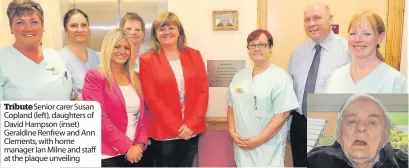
[362, 134]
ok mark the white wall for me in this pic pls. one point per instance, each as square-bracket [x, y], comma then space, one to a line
[52, 37]
[196, 17]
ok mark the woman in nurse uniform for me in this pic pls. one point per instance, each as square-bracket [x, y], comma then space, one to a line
[260, 99]
[368, 73]
[78, 56]
[29, 71]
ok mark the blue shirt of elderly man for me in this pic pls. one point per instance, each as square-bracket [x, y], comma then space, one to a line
[362, 139]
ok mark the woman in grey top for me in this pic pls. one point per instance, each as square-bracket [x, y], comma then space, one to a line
[79, 58]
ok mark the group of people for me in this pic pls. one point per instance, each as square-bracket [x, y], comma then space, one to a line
[264, 101]
[154, 100]
[126, 78]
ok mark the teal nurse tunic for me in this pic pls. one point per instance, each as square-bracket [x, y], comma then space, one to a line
[23, 79]
[255, 101]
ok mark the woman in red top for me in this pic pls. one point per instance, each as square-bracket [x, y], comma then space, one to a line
[176, 90]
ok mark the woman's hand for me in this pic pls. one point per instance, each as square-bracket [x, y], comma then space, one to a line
[134, 153]
[238, 140]
[253, 142]
[79, 96]
[185, 132]
[139, 147]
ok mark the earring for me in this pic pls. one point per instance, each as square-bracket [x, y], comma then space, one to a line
[378, 46]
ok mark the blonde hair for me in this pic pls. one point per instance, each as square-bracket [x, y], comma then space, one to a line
[376, 23]
[108, 44]
[163, 19]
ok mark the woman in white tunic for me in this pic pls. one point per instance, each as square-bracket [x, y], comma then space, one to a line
[260, 100]
[367, 73]
[29, 71]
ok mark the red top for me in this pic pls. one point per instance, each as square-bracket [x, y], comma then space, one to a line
[162, 96]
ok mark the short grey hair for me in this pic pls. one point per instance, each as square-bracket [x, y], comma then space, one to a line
[388, 123]
[23, 7]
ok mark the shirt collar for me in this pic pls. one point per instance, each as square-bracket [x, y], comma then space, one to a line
[326, 44]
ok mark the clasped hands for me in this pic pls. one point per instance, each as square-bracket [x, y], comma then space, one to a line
[185, 132]
[134, 153]
[246, 143]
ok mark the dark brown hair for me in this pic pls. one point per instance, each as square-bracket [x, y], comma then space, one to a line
[71, 12]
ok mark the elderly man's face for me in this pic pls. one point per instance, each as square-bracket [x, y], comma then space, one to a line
[362, 131]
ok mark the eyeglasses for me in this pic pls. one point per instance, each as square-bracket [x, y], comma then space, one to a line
[253, 46]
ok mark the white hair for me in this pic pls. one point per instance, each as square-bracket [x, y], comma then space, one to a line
[388, 123]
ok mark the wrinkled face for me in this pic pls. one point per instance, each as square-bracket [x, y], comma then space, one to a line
[121, 52]
[27, 30]
[317, 23]
[78, 29]
[362, 39]
[134, 28]
[259, 49]
[362, 131]
[168, 35]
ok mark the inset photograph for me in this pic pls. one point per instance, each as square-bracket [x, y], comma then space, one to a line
[357, 130]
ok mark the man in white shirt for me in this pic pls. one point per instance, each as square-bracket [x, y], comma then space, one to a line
[310, 66]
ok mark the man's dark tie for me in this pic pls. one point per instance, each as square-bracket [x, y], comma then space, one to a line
[312, 78]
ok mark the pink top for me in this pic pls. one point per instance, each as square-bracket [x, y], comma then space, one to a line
[113, 114]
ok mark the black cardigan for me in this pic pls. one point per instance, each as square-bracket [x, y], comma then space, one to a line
[333, 157]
